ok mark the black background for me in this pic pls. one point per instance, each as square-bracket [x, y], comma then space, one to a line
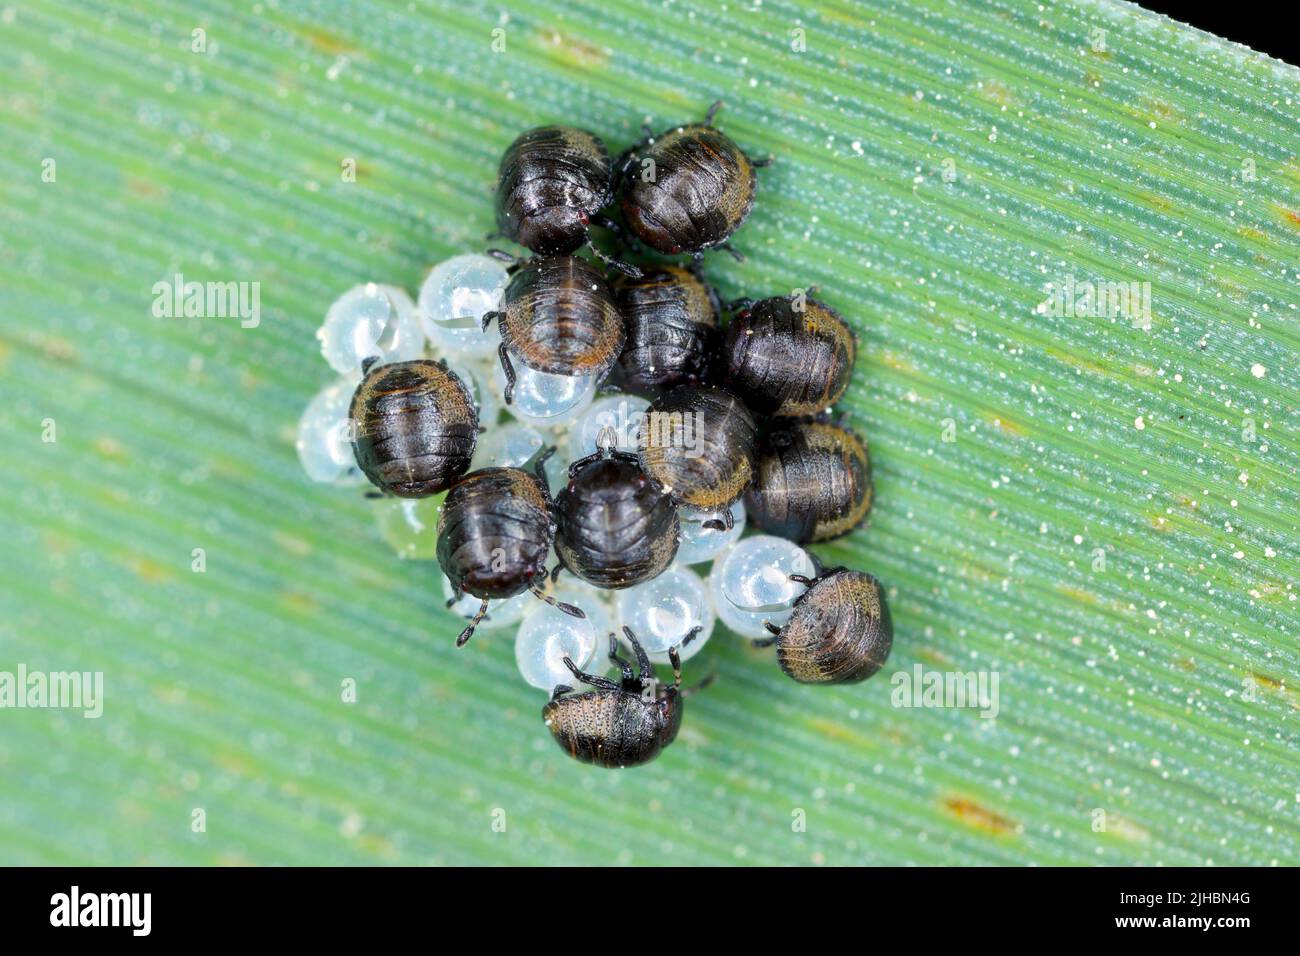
[1272, 28]
[915, 910]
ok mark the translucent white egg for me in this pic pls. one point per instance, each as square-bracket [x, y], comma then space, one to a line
[557, 473]
[453, 300]
[477, 379]
[506, 446]
[621, 413]
[750, 583]
[500, 614]
[368, 321]
[662, 611]
[410, 526]
[547, 635]
[463, 343]
[513, 445]
[324, 443]
[596, 603]
[699, 543]
[545, 400]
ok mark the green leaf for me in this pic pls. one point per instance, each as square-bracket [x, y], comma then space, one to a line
[936, 166]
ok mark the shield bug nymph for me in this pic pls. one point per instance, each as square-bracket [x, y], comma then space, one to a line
[557, 316]
[688, 189]
[787, 355]
[414, 427]
[699, 442]
[615, 525]
[812, 482]
[673, 331]
[494, 534]
[551, 187]
[621, 723]
[840, 631]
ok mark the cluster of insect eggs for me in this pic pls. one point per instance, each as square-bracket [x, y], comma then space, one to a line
[381, 323]
[422, 385]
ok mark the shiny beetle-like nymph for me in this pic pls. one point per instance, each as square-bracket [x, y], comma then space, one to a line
[787, 355]
[494, 534]
[699, 442]
[615, 525]
[621, 723]
[413, 426]
[671, 315]
[812, 482]
[557, 316]
[839, 632]
[687, 189]
[551, 187]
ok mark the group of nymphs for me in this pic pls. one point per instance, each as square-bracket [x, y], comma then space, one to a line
[740, 412]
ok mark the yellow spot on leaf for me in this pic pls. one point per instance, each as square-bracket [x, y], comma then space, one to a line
[1005, 424]
[109, 447]
[298, 603]
[897, 362]
[1078, 361]
[330, 43]
[835, 730]
[292, 543]
[1157, 201]
[58, 349]
[1272, 683]
[149, 570]
[1076, 594]
[997, 92]
[146, 189]
[933, 656]
[572, 51]
[1160, 110]
[980, 817]
[1126, 829]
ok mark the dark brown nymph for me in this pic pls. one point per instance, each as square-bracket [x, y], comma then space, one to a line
[839, 632]
[688, 189]
[621, 723]
[494, 535]
[615, 525]
[699, 442]
[558, 316]
[671, 315]
[414, 427]
[788, 355]
[812, 482]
